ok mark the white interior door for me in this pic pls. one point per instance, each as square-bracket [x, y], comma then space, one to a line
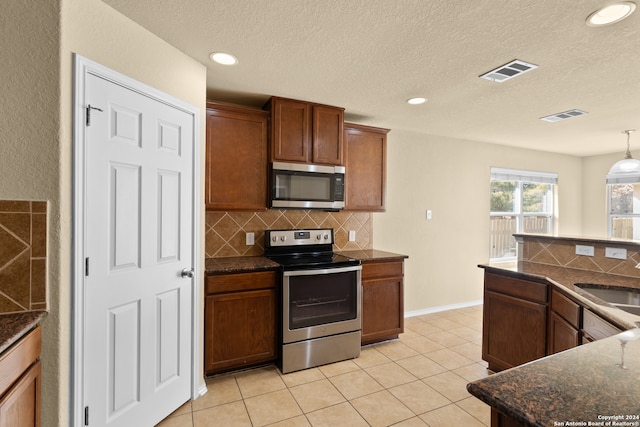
[138, 239]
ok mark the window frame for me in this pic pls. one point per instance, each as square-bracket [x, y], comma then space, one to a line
[521, 177]
[633, 180]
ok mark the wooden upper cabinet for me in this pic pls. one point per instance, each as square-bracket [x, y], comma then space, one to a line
[236, 158]
[366, 165]
[328, 142]
[304, 132]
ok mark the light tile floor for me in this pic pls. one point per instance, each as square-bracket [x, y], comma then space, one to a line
[418, 380]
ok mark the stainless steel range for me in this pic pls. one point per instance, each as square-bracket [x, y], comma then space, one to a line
[321, 298]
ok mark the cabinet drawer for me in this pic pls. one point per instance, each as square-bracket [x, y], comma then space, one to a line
[240, 282]
[374, 270]
[566, 308]
[519, 288]
[595, 328]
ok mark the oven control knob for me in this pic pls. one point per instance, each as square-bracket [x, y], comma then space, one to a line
[319, 236]
[274, 238]
[283, 238]
[326, 237]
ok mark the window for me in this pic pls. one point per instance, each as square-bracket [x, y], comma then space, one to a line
[623, 195]
[521, 202]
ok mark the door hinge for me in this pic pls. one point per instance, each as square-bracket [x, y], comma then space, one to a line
[89, 108]
[86, 415]
[86, 266]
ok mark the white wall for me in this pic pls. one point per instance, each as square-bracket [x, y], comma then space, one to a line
[39, 39]
[451, 177]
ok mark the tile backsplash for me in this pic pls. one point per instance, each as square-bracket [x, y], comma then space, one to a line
[23, 255]
[562, 252]
[226, 231]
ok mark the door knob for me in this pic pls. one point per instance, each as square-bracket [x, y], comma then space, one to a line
[187, 273]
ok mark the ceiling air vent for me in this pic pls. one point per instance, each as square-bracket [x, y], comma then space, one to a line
[508, 71]
[563, 116]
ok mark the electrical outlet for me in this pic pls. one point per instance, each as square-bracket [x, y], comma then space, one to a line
[584, 250]
[429, 214]
[617, 253]
[249, 237]
[352, 235]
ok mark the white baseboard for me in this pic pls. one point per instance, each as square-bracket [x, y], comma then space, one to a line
[202, 390]
[441, 308]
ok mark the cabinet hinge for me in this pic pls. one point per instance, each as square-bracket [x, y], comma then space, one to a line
[86, 415]
[86, 266]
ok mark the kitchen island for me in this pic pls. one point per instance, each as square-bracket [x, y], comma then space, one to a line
[554, 340]
[583, 386]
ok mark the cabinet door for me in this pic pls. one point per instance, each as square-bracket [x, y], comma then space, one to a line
[562, 335]
[20, 406]
[366, 168]
[236, 158]
[290, 130]
[328, 134]
[595, 328]
[239, 329]
[514, 331]
[382, 309]
[501, 420]
[382, 300]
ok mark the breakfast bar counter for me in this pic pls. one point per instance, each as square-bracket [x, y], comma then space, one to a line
[583, 386]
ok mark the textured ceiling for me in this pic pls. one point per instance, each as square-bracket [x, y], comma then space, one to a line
[369, 56]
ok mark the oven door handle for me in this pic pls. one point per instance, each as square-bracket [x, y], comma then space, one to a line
[323, 271]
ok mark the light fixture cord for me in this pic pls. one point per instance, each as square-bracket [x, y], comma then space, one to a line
[628, 132]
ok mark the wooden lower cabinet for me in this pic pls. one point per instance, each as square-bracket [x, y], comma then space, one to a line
[500, 420]
[382, 300]
[518, 328]
[20, 383]
[562, 335]
[240, 320]
[515, 321]
[595, 327]
[564, 323]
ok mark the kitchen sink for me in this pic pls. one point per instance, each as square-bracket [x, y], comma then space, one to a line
[625, 299]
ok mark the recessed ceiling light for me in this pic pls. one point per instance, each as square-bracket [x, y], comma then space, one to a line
[223, 58]
[611, 14]
[416, 101]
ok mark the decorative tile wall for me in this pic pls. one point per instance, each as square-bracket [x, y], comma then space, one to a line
[226, 231]
[23, 255]
[562, 252]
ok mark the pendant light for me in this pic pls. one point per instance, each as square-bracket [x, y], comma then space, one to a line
[627, 167]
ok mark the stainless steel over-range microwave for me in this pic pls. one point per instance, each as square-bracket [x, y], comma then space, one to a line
[305, 186]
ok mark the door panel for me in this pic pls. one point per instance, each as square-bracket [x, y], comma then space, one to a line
[124, 357]
[169, 215]
[139, 237]
[125, 216]
[168, 351]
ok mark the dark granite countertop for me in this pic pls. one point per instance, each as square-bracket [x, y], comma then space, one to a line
[240, 264]
[580, 385]
[371, 255]
[567, 279]
[14, 326]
